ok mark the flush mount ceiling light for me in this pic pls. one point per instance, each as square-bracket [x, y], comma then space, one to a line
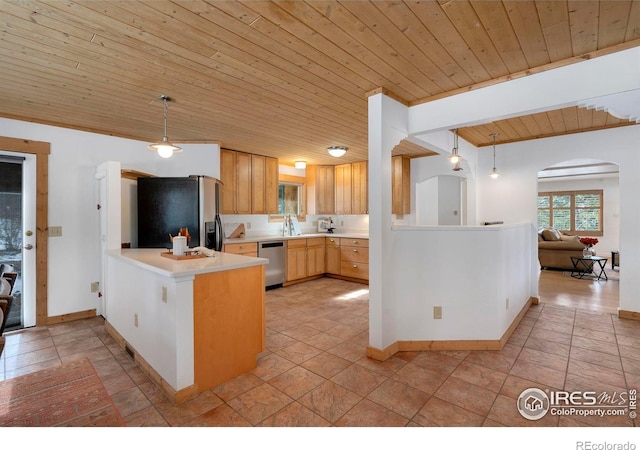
[337, 151]
[165, 148]
[494, 173]
[455, 157]
[300, 164]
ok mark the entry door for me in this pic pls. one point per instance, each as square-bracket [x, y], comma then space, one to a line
[17, 233]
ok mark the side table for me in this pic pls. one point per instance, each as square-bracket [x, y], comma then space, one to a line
[590, 266]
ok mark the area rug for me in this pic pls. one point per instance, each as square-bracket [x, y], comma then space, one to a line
[69, 395]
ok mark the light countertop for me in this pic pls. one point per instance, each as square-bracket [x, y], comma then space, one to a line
[150, 259]
[271, 237]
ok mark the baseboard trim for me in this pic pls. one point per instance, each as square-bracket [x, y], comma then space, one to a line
[631, 315]
[451, 345]
[89, 313]
[177, 397]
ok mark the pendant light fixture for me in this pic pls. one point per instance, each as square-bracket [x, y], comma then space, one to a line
[337, 151]
[165, 148]
[494, 173]
[455, 157]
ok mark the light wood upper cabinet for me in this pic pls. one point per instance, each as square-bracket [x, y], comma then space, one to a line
[400, 185]
[359, 188]
[235, 174]
[320, 190]
[271, 178]
[250, 183]
[343, 188]
[258, 193]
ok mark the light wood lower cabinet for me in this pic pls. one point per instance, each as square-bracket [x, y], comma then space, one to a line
[332, 255]
[354, 258]
[305, 258]
[245, 248]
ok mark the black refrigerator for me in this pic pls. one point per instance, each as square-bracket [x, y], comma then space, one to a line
[168, 204]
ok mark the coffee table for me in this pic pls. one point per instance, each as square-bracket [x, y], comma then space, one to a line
[589, 266]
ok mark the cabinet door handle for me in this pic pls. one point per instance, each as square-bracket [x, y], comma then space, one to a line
[355, 266]
[355, 250]
[355, 242]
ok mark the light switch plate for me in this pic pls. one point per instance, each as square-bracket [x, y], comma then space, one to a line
[55, 231]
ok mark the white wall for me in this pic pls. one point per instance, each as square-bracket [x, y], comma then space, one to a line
[610, 240]
[74, 258]
[513, 196]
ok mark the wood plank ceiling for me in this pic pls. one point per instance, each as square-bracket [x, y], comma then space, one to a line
[288, 78]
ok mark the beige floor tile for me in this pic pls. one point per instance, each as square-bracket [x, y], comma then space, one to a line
[178, 415]
[299, 352]
[399, 398]
[326, 365]
[330, 401]
[466, 395]
[554, 348]
[271, 366]
[237, 386]
[129, 401]
[220, 416]
[595, 357]
[369, 414]
[594, 344]
[359, 379]
[296, 382]
[543, 359]
[480, 376]
[596, 373]
[426, 380]
[147, 417]
[439, 413]
[294, 415]
[538, 374]
[259, 403]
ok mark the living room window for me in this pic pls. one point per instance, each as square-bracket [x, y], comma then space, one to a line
[575, 212]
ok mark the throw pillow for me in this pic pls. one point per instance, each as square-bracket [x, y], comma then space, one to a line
[551, 234]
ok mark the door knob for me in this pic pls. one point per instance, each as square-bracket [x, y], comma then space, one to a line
[28, 247]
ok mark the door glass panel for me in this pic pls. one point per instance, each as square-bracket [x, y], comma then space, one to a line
[11, 233]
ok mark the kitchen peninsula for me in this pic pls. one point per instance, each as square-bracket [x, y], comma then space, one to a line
[189, 324]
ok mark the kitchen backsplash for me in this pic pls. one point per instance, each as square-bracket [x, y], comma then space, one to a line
[259, 225]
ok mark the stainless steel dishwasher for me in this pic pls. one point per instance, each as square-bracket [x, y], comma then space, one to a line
[274, 272]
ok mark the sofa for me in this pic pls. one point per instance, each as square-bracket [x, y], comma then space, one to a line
[555, 249]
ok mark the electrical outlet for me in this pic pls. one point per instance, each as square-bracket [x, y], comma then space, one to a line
[135, 320]
[507, 302]
[95, 286]
[437, 312]
[164, 294]
[314, 223]
[248, 225]
[55, 231]
[342, 223]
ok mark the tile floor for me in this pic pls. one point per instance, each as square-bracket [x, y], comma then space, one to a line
[314, 372]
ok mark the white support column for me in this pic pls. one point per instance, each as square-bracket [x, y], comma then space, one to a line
[387, 127]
